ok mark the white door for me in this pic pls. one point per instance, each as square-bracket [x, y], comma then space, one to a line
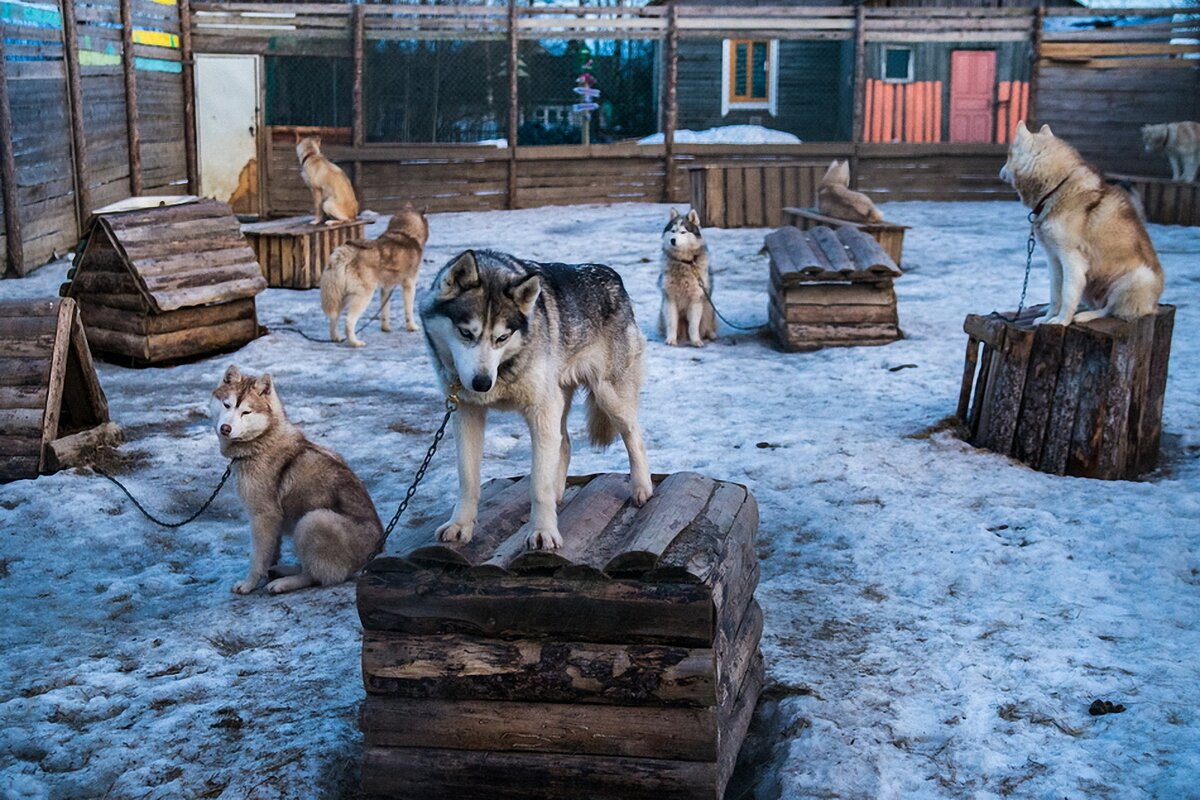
[227, 114]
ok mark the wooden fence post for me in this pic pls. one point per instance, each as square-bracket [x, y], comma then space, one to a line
[860, 87]
[1039, 21]
[513, 74]
[357, 134]
[189, 96]
[129, 69]
[14, 250]
[671, 100]
[79, 161]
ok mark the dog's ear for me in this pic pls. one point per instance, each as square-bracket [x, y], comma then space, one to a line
[673, 215]
[298, 136]
[526, 292]
[1045, 131]
[232, 374]
[424, 210]
[1021, 131]
[316, 140]
[460, 274]
[407, 205]
[693, 218]
[264, 385]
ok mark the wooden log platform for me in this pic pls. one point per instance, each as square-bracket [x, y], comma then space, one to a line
[1164, 201]
[623, 665]
[53, 413]
[1083, 400]
[293, 252]
[890, 235]
[830, 288]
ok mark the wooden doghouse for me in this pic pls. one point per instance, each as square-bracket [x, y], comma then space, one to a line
[166, 283]
[52, 409]
[889, 235]
[1165, 201]
[831, 288]
[1083, 400]
[624, 665]
[293, 252]
[752, 194]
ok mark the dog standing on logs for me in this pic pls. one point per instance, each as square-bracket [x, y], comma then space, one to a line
[686, 282]
[1181, 143]
[332, 193]
[1097, 247]
[836, 199]
[523, 336]
[290, 485]
[358, 266]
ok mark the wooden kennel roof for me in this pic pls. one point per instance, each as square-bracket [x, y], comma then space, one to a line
[167, 258]
[823, 254]
[50, 398]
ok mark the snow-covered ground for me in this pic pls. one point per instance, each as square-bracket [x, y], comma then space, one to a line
[727, 134]
[938, 618]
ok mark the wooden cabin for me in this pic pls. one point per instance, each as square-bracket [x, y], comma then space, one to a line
[623, 665]
[165, 283]
[53, 412]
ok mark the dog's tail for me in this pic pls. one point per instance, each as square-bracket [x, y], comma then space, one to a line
[333, 287]
[601, 430]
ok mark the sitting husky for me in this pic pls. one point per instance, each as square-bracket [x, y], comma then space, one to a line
[686, 282]
[1181, 142]
[290, 485]
[357, 267]
[332, 193]
[518, 335]
[836, 199]
[1097, 246]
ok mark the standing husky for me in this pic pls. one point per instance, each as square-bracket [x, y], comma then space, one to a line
[332, 193]
[835, 198]
[290, 485]
[522, 336]
[686, 282]
[357, 267]
[1181, 142]
[1097, 246]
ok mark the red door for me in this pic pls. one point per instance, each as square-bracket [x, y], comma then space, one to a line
[972, 88]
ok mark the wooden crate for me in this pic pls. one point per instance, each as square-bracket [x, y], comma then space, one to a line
[1083, 400]
[1165, 201]
[293, 252]
[830, 288]
[161, 284]
[53, 412]
[624, 665]
[752, 194]
[889, 235]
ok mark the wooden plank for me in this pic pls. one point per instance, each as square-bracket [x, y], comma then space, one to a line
[753, 188]
[735, 197]
[836, 294]
[1041, 378]
[1116, 448]
[78, 448]
[1150, 427]
[13, 468]
[500, 515]
[1066, 398]
[773, 199]
[200, 340]
[1083, 454]
[810, 313]
[80, 170]
[696, 553]
[58, 371]
[23, 422]
[1005, 389]
[27, 396]
[129, 72]
[678, 500]
[581, 523]
[23, 371]
[736, 724]
[81, 368]
[14, 247]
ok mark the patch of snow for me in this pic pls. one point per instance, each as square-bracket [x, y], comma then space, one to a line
[727, 134]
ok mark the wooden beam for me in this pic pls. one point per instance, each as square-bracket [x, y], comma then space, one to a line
[129, 71]
[671, 100]
[356, 123]
[80, 172]
[189, 96]
[860, 86]
[513, 74]
[14, 251]
[1035, 55]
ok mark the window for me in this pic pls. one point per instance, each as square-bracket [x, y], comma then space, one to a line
[750, 74]
[897, 65]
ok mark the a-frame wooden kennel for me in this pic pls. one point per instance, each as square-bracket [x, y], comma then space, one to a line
[52, 409]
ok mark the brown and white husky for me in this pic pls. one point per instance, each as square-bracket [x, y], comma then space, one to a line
[332, 193]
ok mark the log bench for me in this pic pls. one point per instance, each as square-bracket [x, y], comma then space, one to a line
[624, 665]
[1164, 201]
[293, 252]
[889, 234]
[830, 288]
[1083, 400]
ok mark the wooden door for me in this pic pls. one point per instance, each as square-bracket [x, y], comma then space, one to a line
[227, 125]
[972, 89]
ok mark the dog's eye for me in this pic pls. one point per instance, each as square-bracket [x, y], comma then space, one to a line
[226, 405]
[502, 338]
[466, 333]
[244, 413]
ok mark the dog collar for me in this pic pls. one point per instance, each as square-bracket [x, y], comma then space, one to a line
[1041, 204]
[307, 156]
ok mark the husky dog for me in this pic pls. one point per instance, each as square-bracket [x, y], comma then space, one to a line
[357, 267]
[686, 282]
[1097, 246]
[332, 193]
[290, 485]
[835, 198]
[1181, 142]
[522, 336]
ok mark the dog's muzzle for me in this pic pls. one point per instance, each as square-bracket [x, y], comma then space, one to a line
[481, 383]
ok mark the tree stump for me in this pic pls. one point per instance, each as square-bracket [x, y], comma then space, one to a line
[1084, 400]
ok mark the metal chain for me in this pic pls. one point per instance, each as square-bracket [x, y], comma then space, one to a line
[1029, 248]
[703, 288]
[357, 330]
[156, 520]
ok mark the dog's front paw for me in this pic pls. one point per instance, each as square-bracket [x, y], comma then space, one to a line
[386, 327]
[336, 338]
[697, 343]
[642, 493]
[1057, 319]
[245, 587]
[357, 343]
[411, 327]
[671, 341]
[544, 540]
[455, 531]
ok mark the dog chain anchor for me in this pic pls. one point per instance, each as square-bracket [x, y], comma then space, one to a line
[1030, 245]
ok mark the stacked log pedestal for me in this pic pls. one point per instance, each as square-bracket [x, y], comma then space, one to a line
[624, 665]
[831, 288]
[889, 234]
[1083, 400]
[293, 252]
[1164, 201]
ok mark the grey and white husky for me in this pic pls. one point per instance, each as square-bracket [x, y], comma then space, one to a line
[523, 336]
[686, 282]
[290, 485]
